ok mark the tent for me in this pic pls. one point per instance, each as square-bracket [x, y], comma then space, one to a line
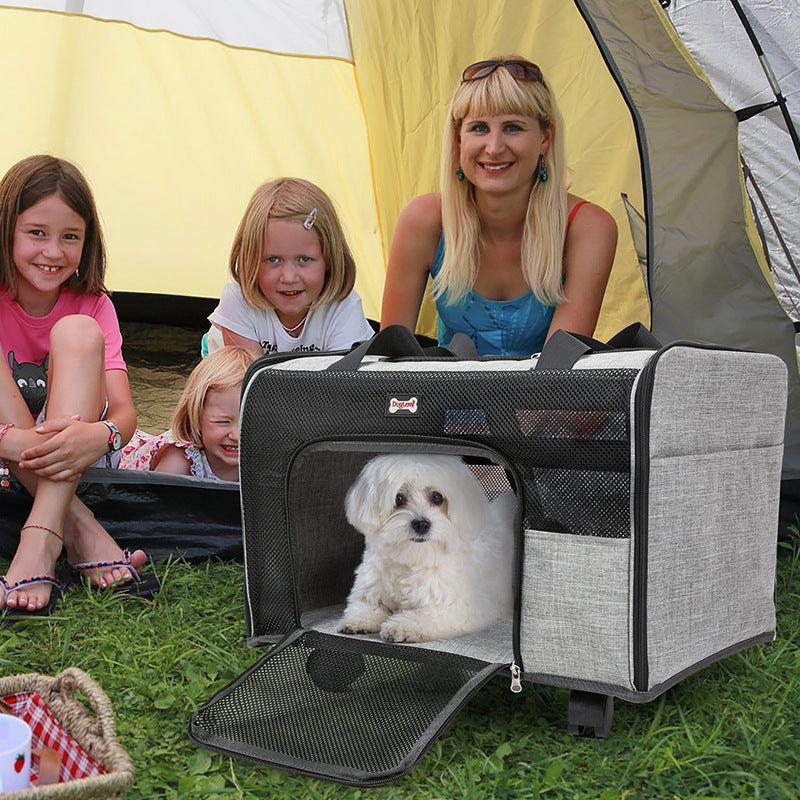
[177, 111]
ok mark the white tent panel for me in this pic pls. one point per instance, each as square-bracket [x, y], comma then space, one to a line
[716, 38]
[302, 27]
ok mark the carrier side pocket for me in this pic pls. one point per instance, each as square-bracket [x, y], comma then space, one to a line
[575, 608]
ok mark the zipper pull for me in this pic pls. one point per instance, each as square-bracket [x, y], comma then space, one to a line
[516, 685]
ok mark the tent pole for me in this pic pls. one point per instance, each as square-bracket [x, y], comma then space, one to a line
[773, 81]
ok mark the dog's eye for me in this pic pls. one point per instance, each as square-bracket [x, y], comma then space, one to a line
[437, 498]
[399, 500]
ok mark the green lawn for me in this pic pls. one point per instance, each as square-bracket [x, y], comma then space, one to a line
[730, 731]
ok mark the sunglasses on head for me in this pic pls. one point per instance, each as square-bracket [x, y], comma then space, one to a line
[518, 70]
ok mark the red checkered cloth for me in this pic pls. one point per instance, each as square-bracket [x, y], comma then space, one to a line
[47, 732]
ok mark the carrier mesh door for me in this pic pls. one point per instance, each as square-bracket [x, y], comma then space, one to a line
[355, 712]
[542, 424]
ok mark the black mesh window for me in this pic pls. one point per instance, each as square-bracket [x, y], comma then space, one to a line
[566, 434]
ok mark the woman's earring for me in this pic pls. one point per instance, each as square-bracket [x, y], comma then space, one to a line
[460, 174]
[543, 176]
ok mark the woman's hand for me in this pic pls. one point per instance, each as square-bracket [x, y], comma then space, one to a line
[70, 448]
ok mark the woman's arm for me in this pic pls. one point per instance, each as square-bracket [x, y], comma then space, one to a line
[411, 255]
[588, 256]
[231, 338]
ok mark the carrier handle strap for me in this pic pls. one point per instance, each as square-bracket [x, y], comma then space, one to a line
[394, 341]
[461, 347]
[397, 341]
[563, 349]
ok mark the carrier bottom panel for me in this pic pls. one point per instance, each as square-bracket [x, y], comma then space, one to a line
[355, 712]
[493, 644]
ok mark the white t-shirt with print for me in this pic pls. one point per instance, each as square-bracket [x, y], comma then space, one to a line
[333, 326]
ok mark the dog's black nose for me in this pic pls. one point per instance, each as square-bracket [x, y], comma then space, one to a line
[420, 525]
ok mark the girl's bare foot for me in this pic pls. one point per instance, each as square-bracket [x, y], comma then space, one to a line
[87, 542]
[39, 548]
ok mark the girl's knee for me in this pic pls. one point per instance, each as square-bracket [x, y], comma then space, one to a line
[76, 334]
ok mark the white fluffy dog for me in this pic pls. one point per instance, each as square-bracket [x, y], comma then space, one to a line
[438, 556]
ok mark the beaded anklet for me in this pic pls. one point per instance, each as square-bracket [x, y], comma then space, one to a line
[43, 528]
[3, 466]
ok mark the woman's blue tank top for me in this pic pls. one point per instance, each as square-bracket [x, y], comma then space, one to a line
[515, 327]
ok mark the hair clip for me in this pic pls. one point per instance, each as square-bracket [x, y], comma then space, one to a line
[310, 219]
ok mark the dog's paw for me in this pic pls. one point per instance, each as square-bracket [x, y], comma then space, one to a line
[401, 630]
[351, 630]
[360, 625]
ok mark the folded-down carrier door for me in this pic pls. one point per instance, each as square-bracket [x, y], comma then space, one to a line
[353, 711]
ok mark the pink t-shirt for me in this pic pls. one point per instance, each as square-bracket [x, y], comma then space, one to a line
[26, 340]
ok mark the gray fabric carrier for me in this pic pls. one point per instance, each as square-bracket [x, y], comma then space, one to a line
[647, 481]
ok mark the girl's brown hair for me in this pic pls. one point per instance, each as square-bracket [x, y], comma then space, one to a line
[294, 199]
[25, 184]
[219, 371]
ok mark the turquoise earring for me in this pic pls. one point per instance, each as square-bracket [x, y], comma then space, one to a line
[543, 176]
[460, 174]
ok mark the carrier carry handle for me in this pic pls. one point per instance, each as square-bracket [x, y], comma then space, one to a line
[397, 341]
[563, 349]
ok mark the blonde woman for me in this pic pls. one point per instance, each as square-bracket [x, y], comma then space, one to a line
[512, 254]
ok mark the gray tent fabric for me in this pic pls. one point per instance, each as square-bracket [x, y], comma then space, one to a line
[715, 35]
[704, 280]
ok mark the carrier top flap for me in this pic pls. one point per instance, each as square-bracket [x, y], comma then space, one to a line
[356, 712]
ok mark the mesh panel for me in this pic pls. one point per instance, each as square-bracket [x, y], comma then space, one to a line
[356, 712]
[566, 433]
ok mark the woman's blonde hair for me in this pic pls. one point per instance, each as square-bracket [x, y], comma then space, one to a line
[295, 199]
[24, 185]
[545, 223]
[221, 370]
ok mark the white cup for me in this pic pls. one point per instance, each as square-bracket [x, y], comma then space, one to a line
[15, 754]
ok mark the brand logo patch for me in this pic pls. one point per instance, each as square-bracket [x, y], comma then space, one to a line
[402, 405]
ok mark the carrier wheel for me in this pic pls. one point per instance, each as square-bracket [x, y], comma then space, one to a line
[589, 710]
[334, 671]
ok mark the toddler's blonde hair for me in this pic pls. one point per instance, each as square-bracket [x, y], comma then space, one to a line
[219, 371]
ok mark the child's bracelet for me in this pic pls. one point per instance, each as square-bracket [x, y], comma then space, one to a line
[3, 466]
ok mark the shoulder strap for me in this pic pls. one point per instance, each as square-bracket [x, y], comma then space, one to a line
[572, 213]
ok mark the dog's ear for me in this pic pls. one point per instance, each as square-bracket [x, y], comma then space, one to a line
[363, 502]
[466, 506]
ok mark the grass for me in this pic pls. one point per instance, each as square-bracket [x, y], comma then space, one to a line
[731, 730]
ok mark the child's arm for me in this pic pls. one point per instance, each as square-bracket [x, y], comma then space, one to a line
[171, 459]
[120, 405]
[231, 338]
[81, 443]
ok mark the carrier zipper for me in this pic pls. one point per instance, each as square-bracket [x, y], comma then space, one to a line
[516, 683]
[641, 422]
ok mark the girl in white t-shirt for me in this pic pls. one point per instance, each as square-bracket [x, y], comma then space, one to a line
[293, 276]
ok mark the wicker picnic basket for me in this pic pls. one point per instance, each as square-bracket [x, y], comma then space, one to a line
[93, 728]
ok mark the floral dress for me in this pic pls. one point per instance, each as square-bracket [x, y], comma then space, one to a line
[139, 453]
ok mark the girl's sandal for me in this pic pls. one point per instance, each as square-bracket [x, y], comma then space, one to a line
[11, 615]
[142, 585]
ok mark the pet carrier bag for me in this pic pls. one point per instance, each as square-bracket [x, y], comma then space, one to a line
[647, 485]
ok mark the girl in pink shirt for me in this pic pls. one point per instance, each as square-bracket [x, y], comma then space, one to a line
[64, 396]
